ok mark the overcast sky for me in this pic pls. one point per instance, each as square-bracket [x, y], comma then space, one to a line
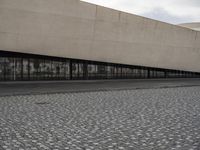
[171, 11]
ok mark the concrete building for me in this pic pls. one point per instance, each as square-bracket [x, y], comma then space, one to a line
[71, 39]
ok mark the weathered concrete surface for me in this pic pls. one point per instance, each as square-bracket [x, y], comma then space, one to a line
[75, 29]
[44, 87]
[150, 119]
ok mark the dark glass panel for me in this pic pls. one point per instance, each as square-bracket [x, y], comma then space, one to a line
[34, 69]
[153, 73]
[41, 69]
[25, 69]
[117, 72]
[92, 71]
[9, 68]
[81, 72]
[110, 72]
[137, 73]
[47, 74]
[160, 74]
[67, 70]
[129, 72]
[101, 69]
[124, 71]
[62, 75]
[78, 70]
[75, 70]
[171, 74]
[2, 68]
[18, 69]
[144, 73]
[56, 70]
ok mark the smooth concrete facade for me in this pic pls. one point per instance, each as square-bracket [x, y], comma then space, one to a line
[75, 29]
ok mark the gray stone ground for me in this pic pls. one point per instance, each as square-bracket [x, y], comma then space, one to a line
[43, 87]
[148, 119]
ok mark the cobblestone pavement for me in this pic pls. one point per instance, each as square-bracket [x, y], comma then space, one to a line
[149, 119]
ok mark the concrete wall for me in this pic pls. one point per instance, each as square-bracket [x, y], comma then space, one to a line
[75, 29]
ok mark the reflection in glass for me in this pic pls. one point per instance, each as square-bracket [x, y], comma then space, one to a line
[50, 68]
[92, 71]
[17, 69]
[66, 70]
[25, 69]
[1, 68]
[9, 68]
[75, 71]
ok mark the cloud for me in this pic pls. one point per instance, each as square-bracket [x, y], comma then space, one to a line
[165, 16]
[171, 11]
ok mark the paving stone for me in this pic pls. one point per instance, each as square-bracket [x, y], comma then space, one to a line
[146, 119]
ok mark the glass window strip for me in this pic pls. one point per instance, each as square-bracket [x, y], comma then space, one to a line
[49, 68]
